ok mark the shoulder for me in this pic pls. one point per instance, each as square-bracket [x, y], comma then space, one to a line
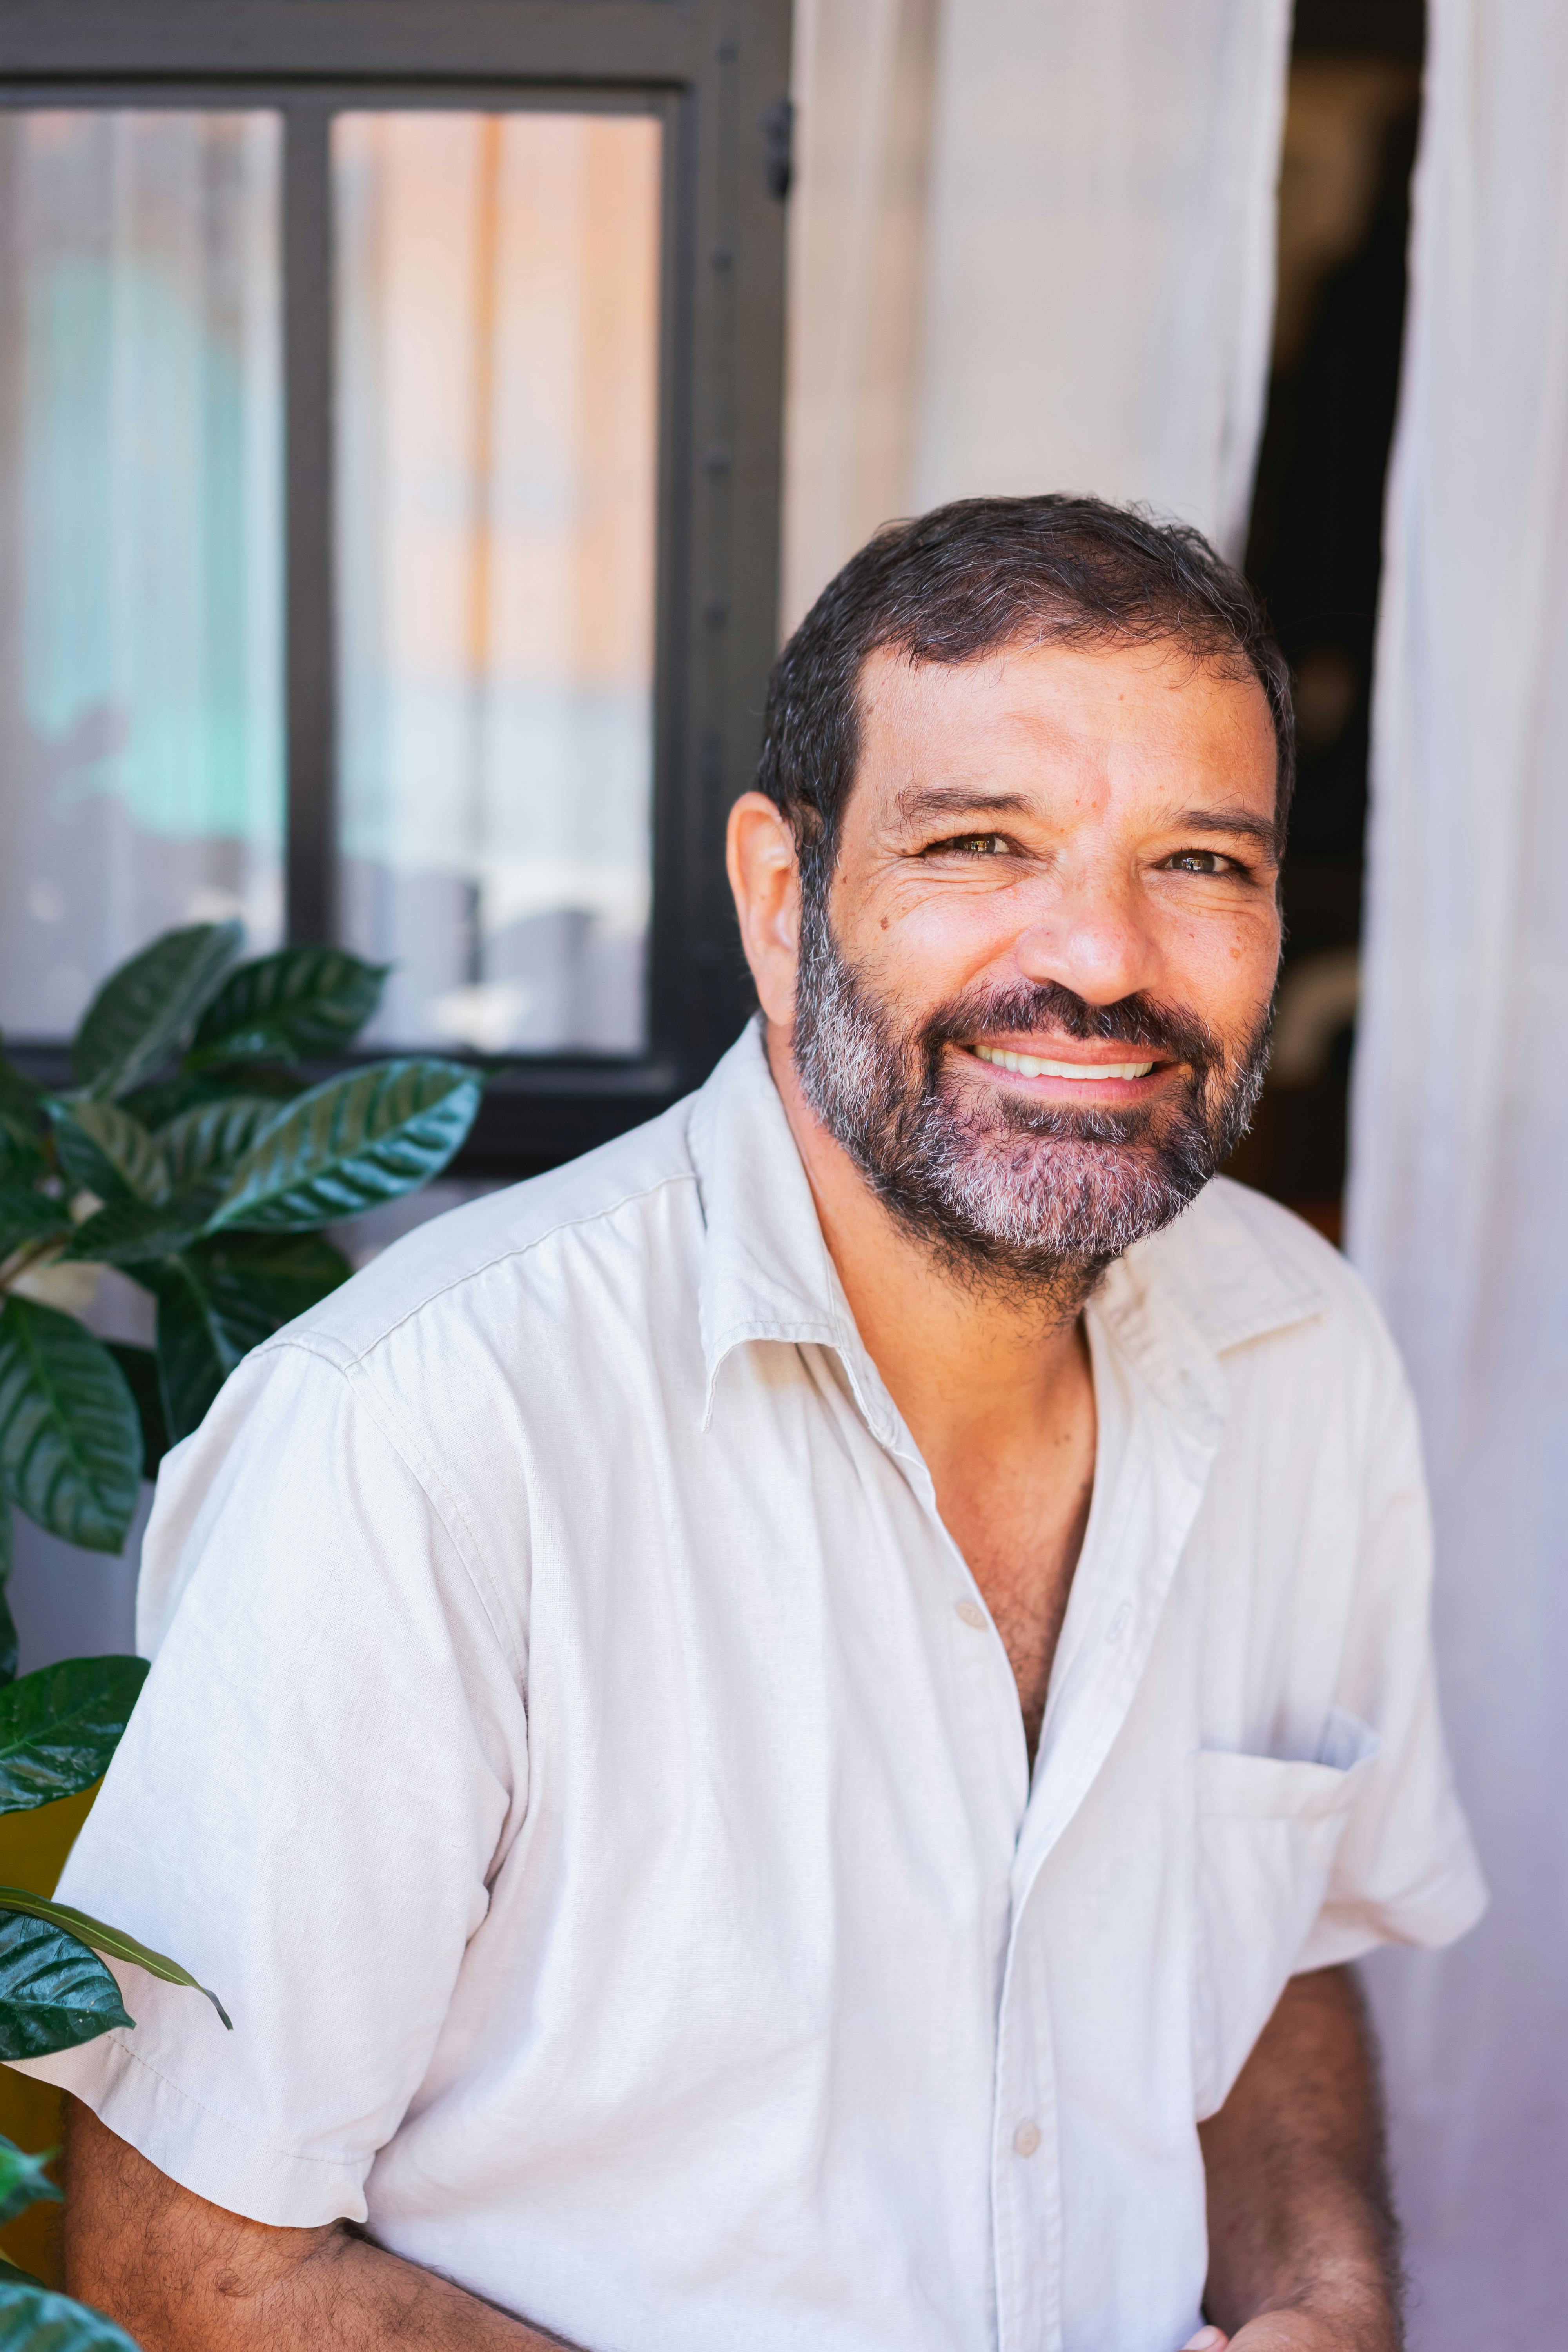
[1229, 1223]
[1227, 1216]
[615, 1203]
[450, 1374]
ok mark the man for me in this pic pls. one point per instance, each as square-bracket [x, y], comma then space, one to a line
[779, 1740]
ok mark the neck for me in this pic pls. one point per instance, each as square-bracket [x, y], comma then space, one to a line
[960, 1349]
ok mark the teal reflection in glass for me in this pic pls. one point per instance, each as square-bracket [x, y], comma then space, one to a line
[140, 540]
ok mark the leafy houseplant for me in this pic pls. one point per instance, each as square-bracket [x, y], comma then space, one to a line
[192, 1151]
[58, 1728]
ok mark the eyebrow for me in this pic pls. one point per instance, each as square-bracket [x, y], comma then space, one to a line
[917, 805]
[1231, 820]
[958, 799]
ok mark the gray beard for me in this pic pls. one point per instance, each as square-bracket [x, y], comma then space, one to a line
[1008, 1193]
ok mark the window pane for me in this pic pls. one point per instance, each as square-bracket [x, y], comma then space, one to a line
[141, 664]
[497, 303]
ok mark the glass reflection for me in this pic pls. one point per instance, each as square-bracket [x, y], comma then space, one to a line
[140, 652]
[497, 377]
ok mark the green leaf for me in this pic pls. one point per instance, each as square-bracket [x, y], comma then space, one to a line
[214, 1135]
[221, 1298]
[146, 1010]
[23, 2180]
[349, 1144]
[53, 1992]
[28, 1216]
[22, 1157]
[112, 1940]
[9, 1646]
[33, 2318]
[59, 1726]
[103, 1147]
[128, 1233]
[197, 1344]
[300, 1001]
[170, 1098]
[140, 1366]
[20, 1094]
[70, 1443]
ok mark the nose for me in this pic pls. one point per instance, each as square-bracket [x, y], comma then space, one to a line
[1089, 936]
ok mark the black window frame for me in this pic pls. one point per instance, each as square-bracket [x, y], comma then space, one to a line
[715, 74]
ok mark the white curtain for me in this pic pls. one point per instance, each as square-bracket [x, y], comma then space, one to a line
[1032, 248]
[1459, 1178]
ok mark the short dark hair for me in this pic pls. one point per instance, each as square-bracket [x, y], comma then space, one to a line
[983, 572]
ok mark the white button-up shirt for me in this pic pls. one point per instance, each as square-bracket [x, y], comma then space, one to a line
[580, 1757]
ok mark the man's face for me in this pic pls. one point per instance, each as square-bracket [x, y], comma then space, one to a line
[1035, 1004]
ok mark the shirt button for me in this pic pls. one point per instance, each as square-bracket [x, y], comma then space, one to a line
[1026, 2139]
[971, 1613]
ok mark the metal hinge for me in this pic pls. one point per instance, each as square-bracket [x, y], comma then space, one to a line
[778, 147]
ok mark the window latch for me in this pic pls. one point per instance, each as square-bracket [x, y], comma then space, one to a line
[778, 147]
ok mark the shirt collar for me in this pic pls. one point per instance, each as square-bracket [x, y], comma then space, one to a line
[1210, 1282]
[1173, 1305]
[766, 1273]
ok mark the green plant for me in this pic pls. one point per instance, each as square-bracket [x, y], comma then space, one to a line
[192, 1152]
[58, 1728]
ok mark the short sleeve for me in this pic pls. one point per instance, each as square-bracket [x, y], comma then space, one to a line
[1405, 1869]
[309, 1801]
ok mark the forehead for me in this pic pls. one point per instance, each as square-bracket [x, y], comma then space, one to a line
[1128, 717]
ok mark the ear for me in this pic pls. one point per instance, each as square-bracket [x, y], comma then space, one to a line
[764, 875]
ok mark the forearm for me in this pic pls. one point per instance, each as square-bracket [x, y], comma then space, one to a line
[1300, 2223]
[345, 2295]
[182, 2276]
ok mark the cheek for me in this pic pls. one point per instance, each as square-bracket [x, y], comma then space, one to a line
[1224, 965]
[946, 937]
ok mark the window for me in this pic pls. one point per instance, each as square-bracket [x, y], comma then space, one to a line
[389, 405]
[141, 710]
[495, 457]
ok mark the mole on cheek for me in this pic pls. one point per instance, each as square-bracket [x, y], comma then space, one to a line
[886, 920]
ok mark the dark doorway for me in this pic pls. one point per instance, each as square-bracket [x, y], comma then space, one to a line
[1315, 544]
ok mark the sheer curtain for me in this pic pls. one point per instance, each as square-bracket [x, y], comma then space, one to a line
[1032, 248]
[1460, 1135]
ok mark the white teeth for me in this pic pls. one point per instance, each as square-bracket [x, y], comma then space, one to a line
[1031, 1065]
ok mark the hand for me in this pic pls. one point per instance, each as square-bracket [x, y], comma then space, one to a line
[1274, 2331]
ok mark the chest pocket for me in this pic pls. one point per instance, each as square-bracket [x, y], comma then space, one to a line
[1266, 1834]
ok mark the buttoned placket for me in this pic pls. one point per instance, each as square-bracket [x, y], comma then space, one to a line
[1152, 1460]
[778, 1282]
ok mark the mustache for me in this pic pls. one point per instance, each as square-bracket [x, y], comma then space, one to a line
[1166, 1031]
[1004, 1187]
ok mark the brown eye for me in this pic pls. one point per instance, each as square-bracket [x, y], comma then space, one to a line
[1198, 861]
[978, 845]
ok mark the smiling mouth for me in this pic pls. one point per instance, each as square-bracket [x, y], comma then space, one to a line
[1037, 1066]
